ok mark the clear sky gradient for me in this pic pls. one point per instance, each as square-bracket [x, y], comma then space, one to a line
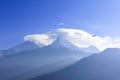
[22, 17]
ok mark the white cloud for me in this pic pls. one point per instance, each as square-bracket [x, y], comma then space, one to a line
[61, 24]
[79, 38]
[44, 39]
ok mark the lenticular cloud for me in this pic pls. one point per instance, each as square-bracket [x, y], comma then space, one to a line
[77, 37]
[44, 39]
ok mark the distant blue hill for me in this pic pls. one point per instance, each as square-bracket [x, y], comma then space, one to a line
[103, 66]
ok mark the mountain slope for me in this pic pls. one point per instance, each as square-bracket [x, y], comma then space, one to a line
[38, 60]
[29, 57]
[103, 66]
[61, 42]
[25, 46]
[24, 62]
[58, 65]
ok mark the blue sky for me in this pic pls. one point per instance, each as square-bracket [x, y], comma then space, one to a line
[22, 17]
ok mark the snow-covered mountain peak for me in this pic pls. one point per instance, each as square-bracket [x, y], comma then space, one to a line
[62, 42]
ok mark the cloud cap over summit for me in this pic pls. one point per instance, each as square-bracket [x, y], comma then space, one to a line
[79, 38]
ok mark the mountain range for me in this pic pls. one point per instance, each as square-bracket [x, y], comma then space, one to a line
[60, 60]
[29, 45]
[28, 59]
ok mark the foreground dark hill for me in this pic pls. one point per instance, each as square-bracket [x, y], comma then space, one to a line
[103, 66]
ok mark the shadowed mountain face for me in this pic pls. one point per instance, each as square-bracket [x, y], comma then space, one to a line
[25, 46]
[103, 66]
